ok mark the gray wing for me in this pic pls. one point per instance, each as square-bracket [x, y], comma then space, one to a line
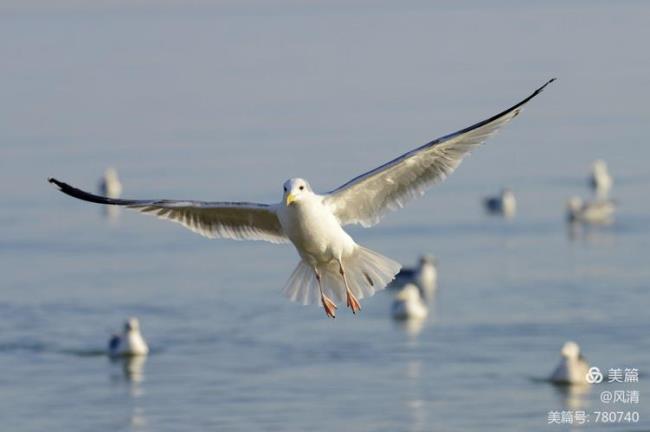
[366, 198]
[233, 220]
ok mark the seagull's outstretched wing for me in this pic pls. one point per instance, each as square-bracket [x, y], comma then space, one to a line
[233, 220]
[366, 198]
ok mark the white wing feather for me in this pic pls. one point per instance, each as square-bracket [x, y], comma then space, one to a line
[232, 220]
[366, 198]
[237, 221]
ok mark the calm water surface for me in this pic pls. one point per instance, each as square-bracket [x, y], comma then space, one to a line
[226, 102]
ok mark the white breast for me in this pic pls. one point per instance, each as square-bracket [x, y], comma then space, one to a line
[570, 371]
[129, 343]
[314, 230]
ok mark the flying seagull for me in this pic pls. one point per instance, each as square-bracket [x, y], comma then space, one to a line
[332, 266]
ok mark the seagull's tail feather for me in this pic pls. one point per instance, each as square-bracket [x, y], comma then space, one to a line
[302, 286]
[366, 272]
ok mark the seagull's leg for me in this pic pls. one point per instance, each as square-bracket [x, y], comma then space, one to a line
[328, 305]
[353, 303]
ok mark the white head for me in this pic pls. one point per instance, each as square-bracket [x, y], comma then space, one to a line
[570, 350]
[599, 166]
[409, 293]
[132, 325]
[428, 260]
[574, 204]
[295, 189]
[507, 193]
[110, 174]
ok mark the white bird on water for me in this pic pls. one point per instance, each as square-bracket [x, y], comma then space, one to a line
[110, 185]
[130, 342]
[505, 204]
[424, 276]
[408, 304]
[573, 367]
[598, 212]
[600, 180]
[332, 266]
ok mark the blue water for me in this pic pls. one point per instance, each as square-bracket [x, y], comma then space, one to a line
[225, 102]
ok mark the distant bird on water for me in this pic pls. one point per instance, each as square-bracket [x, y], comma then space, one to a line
[332, 266]
[598, 212]
[130, 342]
[424, 276]
[110, 185]
[408, 304]
[505, 204]
[573, 367]
[600, 180]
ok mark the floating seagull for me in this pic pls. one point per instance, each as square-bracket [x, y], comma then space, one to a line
[599, 212]
[504, 204]
[130, 342]
[332, 265]
[109, 185]
[424, 276]
[600, 180]
[408, 304]
[573, 367]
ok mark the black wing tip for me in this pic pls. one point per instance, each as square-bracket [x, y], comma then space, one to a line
[56, 182]
[523, 102]
[539, 90]
[62, 186]
[86, 196]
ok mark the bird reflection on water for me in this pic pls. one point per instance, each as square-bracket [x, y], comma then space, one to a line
[131, 373]
[573, 397]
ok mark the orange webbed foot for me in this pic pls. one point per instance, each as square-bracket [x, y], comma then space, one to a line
[329, 306]
[353, 303]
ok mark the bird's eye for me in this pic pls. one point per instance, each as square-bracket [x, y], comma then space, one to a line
[301, 187]
[285, 189]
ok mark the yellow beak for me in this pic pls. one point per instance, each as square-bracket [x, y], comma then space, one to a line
[290, 199]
